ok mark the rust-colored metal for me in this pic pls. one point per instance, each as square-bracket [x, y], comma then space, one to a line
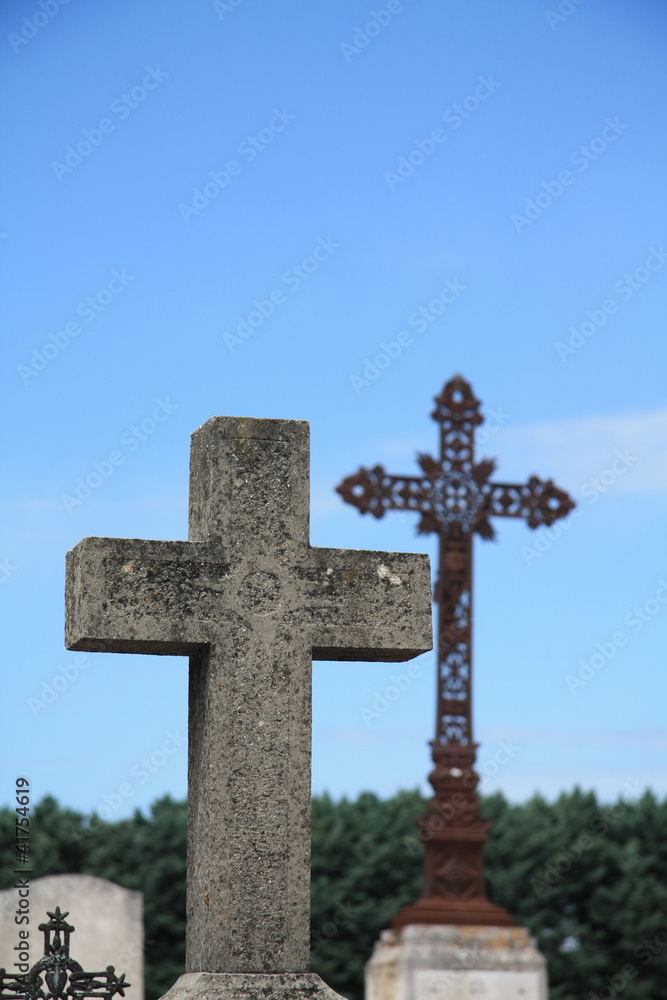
[455, 498]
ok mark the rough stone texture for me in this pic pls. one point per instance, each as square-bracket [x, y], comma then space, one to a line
[108, 922]
[244, 986]
[431, 962]
[251, 602]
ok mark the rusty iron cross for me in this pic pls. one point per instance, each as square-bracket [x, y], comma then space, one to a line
[455, 498]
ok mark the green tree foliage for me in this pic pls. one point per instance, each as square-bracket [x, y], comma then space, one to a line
[149, 854]
[366, 864]
[588, 881]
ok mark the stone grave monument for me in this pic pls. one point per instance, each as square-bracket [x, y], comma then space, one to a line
[453, 940]
[251, 603]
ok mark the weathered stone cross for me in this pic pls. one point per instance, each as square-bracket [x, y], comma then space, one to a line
[251, 602]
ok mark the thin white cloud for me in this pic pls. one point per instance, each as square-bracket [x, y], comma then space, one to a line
[609, 785]
[575, 451]
[358, 736]
[654, 740]
[570, 451]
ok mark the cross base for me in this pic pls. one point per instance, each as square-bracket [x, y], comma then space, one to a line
[456, 963]
[468, 912]
[250, 986]
[453, 834]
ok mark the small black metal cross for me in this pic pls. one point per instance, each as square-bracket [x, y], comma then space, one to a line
[56, 976]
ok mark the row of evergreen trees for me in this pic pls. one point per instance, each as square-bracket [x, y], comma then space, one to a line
[590, 882]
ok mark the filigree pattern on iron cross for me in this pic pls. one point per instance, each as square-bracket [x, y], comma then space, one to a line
[455, 497]
[56, 976]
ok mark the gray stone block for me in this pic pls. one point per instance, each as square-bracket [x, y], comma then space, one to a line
[244, 986]
[446, 962]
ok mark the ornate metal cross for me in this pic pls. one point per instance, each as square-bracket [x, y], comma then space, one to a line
[56, 976]
[455, 498]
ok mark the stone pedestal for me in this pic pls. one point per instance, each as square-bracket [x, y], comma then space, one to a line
[250, 986]
[446, 962]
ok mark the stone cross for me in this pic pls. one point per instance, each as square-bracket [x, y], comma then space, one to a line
[251, 603]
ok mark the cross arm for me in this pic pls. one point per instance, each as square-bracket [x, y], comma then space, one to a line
[365, 605]
[127, 595]
[374, 491]
[537, 501]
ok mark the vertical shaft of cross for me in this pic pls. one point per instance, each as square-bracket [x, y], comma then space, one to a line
[453, 591]
[453, 596]
[248, 824]
[452, 829]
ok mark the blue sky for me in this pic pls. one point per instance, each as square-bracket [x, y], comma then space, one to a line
[166, 167]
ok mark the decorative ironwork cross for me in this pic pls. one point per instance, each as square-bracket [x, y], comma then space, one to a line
[54, 966]
[456, 499]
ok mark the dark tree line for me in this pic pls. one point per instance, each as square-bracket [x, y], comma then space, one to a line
[588, 881]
